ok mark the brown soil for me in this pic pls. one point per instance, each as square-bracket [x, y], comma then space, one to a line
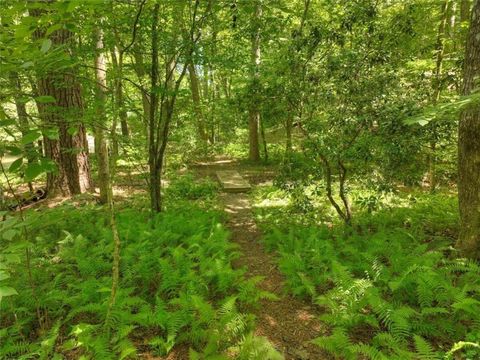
[288, 323]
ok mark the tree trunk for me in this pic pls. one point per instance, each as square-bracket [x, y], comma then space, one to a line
[437, 86]
[117, 63]
[264, 140]
[197, 106]
[73, 176]
[155, 179]
[288, 134]
[254, 113]
[100, 142]
[469, 147]
[22, 117]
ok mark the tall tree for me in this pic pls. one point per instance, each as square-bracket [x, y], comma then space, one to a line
[437, 89]
[63, 113]
[469, 146]
[101, 149]
[163, 94]
[197, 105]
[254, 111]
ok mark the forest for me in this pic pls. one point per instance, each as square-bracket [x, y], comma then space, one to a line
[240, 179]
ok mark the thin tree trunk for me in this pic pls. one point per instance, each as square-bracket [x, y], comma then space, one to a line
[117, 62]
[288, 134]
[343, 194]
[197, 105]
[214, 95]
[155, 180]
[264, 140]
[100, 142]
[254, 113]
[22, 118]
[436, 93]
[328, 182]
[469, 147]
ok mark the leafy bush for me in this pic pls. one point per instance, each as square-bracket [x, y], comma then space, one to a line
[391, 285]
[187, 187]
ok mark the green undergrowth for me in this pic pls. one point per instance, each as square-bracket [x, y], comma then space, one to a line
[391, 286]
[177, 285]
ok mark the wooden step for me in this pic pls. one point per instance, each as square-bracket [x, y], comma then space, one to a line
[232, 181]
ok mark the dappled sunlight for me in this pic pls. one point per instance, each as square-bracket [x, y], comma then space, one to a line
[251, 180]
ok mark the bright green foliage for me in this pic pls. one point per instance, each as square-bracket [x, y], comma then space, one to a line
[177, 286]
[391, 286]
[186, 187]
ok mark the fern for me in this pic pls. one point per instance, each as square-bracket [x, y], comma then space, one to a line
[424, 349]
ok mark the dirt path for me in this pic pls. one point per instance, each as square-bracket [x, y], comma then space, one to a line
[288, 323]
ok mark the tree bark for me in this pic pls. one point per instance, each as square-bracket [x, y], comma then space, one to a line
[197, 106]
[437, 89]
[254, 113]
[100, 142]
[469, 147]
[155, 179]
[117, 62]
[69, 153]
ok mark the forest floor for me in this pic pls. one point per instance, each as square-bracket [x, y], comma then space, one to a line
[287, 322]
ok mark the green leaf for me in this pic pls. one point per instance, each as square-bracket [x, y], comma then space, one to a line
[46, 45]
[7, 122]
[3, 275]
[72, 5]
[45, 99]
[14, 150]
[53, 28]
[27, 64]
[7, 291]
[51, 134]
[30, 137]
[9, 234]
[72, 130]
[14, 166]
[33, 170]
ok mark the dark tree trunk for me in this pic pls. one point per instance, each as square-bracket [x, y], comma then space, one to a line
[469, 147]
[69, 152]
[254, 113]
[155, 179]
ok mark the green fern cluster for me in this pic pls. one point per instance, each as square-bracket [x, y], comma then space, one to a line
[391, 286]
[177, 285]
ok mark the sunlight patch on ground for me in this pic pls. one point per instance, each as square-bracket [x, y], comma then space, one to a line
[272, 203]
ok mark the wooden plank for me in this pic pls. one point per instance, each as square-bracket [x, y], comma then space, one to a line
[232, 181]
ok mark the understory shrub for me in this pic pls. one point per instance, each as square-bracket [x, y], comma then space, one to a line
[177, 285]
[391, 286]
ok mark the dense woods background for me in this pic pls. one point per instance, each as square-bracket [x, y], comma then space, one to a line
[357, 123]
